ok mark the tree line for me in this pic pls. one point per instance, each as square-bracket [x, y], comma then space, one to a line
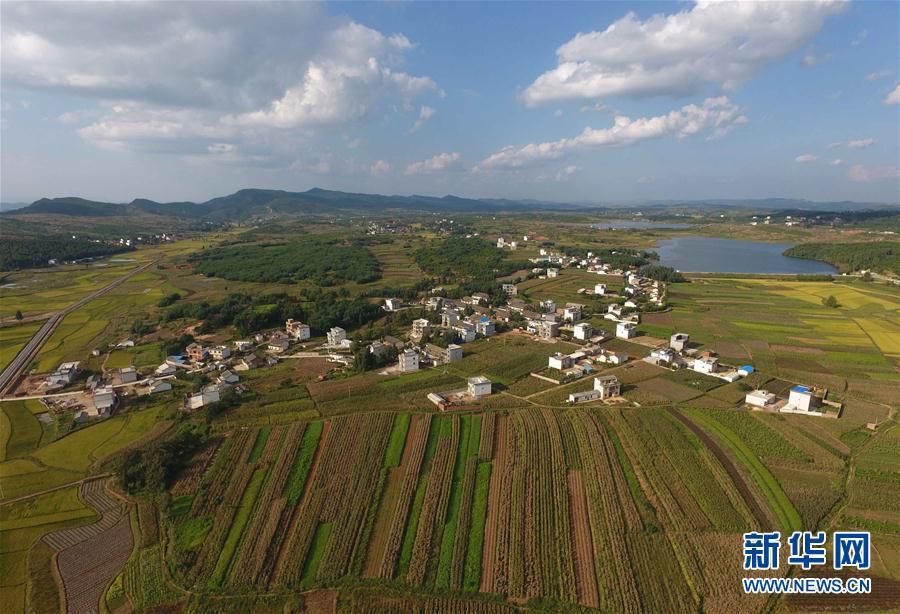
[22, 253]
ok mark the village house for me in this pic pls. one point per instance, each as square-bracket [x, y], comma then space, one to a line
[408, 361]
[277, 345]
[679, 341]
[227, 377]
[559, 361]
[481, 298]
[548, 306]
[614, 310]
[449, 319]
[760, 398]
[243, 345]
[465, 332]
[297, 330]
[220, 352]
[600, 289]
[510, 289]
[607, 385]
[336, 337]
[501, 242]
[64, 375]
[516, 305]
[666, 357]
[165, 369]
[128, 375]
[155, 386]
[543, 328]
[630, 304]
[247, 363]
[485, 327]
[583, 331]
[104, 400]
[584, 396]
[479, 386]
[625, 330]
[502, 315]
[433, 303]
[612, 358]
[802, 398]
[196, 352]
[706, 364]
[394, 341]
[392, 304]
[551, 272]
[208, 395]
[377, 348]
[572, 312]
[420, 328]
[443, 356]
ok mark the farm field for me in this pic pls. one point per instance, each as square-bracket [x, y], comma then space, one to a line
[13, 339]
[272, 510]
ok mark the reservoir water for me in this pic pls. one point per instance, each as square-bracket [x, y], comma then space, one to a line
[709, 255]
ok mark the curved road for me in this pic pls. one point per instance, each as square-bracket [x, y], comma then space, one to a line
[17, 366]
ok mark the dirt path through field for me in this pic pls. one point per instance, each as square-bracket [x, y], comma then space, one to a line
[491, 527]
[582, 541]
[740, 483]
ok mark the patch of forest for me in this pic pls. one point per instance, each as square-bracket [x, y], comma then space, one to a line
[472, 257]
[25, 252]
[326, 262]
[881, 256]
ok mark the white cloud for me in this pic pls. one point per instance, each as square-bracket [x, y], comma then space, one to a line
[381, 167]
[712, 43]
[878, 74]
[865, 174]
[435, 164]
[425, 113]
[180, 76]
[558, 113]
[893, 97]
[836, 162]
[860, 143]
[863, 34]
[804, 158]
[814, 59]
[567, 171]
[716, 116]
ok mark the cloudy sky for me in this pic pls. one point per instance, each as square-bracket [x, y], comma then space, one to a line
[587, 101]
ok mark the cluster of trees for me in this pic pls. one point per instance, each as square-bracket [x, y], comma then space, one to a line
[472, 257]
[876, 255]
[326, 262]
[25, 252]
[169, 299]
[660, 273]
[153, 469]
[249, 313]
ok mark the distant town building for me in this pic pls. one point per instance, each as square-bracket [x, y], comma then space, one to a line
[220, 352]
[510, 289]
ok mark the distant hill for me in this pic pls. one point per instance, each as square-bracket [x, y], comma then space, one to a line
[259, 203]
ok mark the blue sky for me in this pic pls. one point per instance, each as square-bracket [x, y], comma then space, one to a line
[560, 101]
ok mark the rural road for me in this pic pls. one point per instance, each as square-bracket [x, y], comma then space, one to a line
[17, 366]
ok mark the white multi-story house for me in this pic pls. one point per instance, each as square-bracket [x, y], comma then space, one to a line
[479, 386]
[392, 304]
[297, 330]
[625, 330]
[607, 385]
[600, 289]
[485, 327]
[551, 272]
[760, 398]
[583, 331]
[559, 361]
[679, 341]
[510, 289]
[408, 361]
[420, 328]
[706, 364]
[572, 312]
[220, 352]
[549, 306]
[336, 336]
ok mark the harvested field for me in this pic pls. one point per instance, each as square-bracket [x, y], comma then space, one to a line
[586, 575]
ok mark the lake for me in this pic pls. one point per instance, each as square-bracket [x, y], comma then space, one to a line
[619, 224]
[709, 255]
